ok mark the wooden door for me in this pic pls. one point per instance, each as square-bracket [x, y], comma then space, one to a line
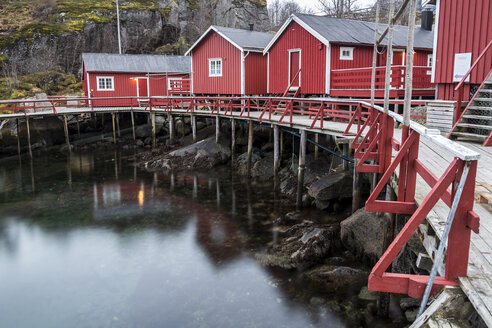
[294, 66]
[142, 90]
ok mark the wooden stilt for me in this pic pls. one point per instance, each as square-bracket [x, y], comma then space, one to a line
[345, 150]
[250, 147]
[118, 124]
[133, 125]
[193, 127]
[78, 126]
[217, 129]
[153, 129]
[276, 153]
[18, 138]
[28, 136]
[182, 127]
[114, 128]
[281, 145]
[301, 169]
[94, 120]
[171, 129]
[356, 189]
[316, 148]
[65, 127]
[233, 137]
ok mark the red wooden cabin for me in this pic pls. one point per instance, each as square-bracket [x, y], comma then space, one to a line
[114, 75]
[229, 61]
[330, 56]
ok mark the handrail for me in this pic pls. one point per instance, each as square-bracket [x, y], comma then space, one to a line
[381, 67]
[291, 82]
[461, 84]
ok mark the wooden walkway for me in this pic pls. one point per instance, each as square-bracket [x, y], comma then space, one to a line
[478, 285]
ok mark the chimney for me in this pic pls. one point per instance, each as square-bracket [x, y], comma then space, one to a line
[251, 27]
[427, 19]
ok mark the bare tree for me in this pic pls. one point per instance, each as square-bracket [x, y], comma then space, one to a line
[279, 11]
[339, 8]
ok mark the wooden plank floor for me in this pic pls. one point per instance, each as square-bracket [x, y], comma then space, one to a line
[478, 285]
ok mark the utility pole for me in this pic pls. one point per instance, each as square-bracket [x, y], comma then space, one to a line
[118, 25]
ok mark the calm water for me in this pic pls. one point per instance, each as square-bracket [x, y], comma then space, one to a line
[90, 241]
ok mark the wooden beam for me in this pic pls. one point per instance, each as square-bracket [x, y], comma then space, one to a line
[301, 169]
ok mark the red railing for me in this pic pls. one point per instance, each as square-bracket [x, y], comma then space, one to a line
[179, 86]
[360, 78]
[373, 141]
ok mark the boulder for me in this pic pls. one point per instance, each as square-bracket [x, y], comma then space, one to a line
[143, 131]
[361, 233]
[335, 185]
[303, 245]
[333, 278]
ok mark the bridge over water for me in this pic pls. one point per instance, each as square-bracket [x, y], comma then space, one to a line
[423, 167]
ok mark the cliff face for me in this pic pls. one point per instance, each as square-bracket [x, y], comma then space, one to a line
[43, 35]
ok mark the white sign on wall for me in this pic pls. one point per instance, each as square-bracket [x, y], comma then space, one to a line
[462, 63]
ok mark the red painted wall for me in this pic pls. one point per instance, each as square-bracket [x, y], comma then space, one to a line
[125, 86]
[313, 61]
[214, 46]
[256, 73]
[464, 26]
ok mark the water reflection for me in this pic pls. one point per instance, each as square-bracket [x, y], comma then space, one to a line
[108, 245]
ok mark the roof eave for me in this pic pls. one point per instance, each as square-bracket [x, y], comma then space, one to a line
[216, 31]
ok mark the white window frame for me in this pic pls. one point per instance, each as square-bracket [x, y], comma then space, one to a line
[215, 74]
[98, 78]
[351, 53]
[430, 60]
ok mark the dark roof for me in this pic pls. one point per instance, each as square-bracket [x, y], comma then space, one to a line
[242, 39]
[245, 39]
[136, 63]
[353, 31]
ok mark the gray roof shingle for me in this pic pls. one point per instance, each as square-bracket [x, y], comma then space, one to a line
[103, 62]
[353, 31]
[246, 39]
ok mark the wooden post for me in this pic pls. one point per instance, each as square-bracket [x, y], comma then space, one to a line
[153, 129]
[118, 124]
[375, 54]
[281, 145]
[345, 149]
[217, 129]
[94, 119]
[276, 151]
[182, 127]
[356, 189]
[316, 149]
[28, 136]
[133, 125]
[18, 138]
[171, 129]
[65, 127]
[78, 126]
[250, 147]
[389, 57]
[193, 127]
[233, 137]
[301, 169]
[409, 71]
[114, 128]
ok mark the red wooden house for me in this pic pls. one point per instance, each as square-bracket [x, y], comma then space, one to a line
[463, 44]
[229, 61]
[319, 55]
[114, 75]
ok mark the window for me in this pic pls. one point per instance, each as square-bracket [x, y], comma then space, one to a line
[346, 53]
[105, 83]
[429, 60]
[215, 67]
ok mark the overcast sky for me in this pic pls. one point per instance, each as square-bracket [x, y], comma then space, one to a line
[313, 4]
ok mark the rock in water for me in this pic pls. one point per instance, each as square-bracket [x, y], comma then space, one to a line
[335, 185]
[362, 233]
[303, 245]
[333, 278]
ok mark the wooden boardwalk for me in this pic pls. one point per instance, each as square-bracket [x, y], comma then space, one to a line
[478, 284]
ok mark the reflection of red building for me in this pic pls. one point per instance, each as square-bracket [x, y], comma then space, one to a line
[113, 75]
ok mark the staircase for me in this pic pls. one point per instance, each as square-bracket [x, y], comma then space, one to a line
[475, 123]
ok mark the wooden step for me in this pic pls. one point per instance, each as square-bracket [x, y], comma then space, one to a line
[480, 108]
[473, 136]
[478, 117]
[475, 126]
[483, 99]
[486, 91]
